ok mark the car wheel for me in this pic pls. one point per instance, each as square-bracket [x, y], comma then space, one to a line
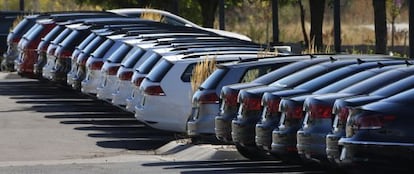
[253, 153]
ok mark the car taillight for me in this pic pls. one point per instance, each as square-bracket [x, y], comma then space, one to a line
[251, 104]
[138, 81]
[96, 65]
[230, 99]
[154, 90]
[271, 107]
[342, 114]
[113, 70]
[15, 40]
[210, 98]
[65, 54]
[126, 75]
[373, 121]
[320, 111]
[294, 112]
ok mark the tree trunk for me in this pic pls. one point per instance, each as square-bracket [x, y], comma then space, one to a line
[380, 26]
[317, 9]
[302, 22]
[208, 11]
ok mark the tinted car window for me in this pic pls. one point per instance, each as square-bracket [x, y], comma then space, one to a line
[21, 27]
[397, 86]
[86, 41]
[188, 73]
[101, 50]
[159, 71]
[73, 39]
[149, 63]
[135, 56]
[379, 80]
[345, 82]
[213, 80]
[120, 53]
[93, 44]
[403, 97]
[35, 32]
[53, 33]
[62, 35]
[295, 78]
[255, 72]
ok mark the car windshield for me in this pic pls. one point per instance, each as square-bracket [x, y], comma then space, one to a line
[62, 35]
[93, 44]
[35, 33]
[406, 97]
[86, 41]
[297, 77]
[21, 27]
[343, 83]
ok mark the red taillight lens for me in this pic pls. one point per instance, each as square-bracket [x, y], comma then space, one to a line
[15, 40]
[271, 107]
[96, 65]
[373, 121]
[230, 99]
[294, 112]
[65, 54]
[126, 75]
[210, 98]
[138, 81]
[113, 70]
[154, 90]
[342, 114]
[320, 111]
[252, 104]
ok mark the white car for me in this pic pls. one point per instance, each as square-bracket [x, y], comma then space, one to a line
[169, 18]
[166, 90]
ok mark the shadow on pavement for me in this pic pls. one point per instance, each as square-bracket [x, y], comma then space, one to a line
[233, 166]
[110, 126]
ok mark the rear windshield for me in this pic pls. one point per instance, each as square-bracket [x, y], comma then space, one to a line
[257, 71]
[213, 80]
[295, 78]
[405, 97]
[101, 50]
[62, 35]
[343, 83]
[53, 33]
[22, 27]
[159, 71]
[149, 63]
[119, 54]
[93, 44]
[86, 41]
[133, 58]
[395, 87]
[373, 82]
[35, 33]
[284, 71]
[73, 39]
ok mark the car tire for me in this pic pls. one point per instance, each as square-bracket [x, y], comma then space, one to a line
[253, 153]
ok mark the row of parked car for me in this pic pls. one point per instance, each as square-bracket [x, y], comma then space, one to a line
[270, 103]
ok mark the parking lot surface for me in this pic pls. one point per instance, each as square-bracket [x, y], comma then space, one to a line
[45, 128]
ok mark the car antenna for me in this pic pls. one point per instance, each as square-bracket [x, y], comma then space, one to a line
[360, 61]
[312, 56]
[332, 59]
[380, 64]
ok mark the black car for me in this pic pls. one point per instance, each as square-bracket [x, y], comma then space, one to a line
[317, 123]
[381, 132]
[341, 110]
